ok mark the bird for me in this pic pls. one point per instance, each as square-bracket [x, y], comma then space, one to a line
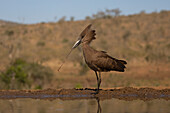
[98, 61]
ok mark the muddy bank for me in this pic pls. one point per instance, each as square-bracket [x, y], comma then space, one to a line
[127, 93]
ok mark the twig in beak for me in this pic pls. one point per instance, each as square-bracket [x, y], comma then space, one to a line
[65, 59]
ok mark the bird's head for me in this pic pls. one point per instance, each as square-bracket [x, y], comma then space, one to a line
[87, 35]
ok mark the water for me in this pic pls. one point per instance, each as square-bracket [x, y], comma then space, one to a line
[28, 105]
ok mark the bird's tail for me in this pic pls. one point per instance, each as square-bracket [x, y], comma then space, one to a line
[120, 65]
[122, 61]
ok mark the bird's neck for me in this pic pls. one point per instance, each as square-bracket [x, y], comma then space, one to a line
[87, 51]
[85, 45]
[86, 42]
[86, 48]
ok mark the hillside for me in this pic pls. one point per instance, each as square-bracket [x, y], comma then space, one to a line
[4, 23]
[142, 39]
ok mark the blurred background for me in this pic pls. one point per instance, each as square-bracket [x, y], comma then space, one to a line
[36, 35]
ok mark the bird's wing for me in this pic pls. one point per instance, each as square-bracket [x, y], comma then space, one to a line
[105, 62]
[104, 54]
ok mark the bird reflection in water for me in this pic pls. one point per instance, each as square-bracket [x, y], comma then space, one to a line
[99, 109]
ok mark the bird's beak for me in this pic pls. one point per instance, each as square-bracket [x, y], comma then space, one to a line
[77, 43]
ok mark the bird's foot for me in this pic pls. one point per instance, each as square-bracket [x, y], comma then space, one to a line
[96, 91]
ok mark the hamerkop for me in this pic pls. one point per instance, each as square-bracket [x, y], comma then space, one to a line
[98, 61]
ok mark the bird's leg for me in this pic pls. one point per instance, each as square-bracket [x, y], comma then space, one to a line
[97, 81]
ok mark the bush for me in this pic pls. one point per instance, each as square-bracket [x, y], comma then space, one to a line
[108, 13]
[84, 69]
[21, 74]
[9, 32]
[39, 73]
[78, 86]
[41, 43]
[65, 40]
[126, 35]
[15, 76]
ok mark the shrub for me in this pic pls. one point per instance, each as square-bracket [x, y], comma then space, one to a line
[15, 74]
[40, 43]
[21, 74]
[39, 73]
[65, 40]
[62, 19]
[78, 85]
[126, 35]
[84, 69]
[9, 32]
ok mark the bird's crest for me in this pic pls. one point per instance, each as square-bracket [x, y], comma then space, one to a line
[84, 32]
[90, 35]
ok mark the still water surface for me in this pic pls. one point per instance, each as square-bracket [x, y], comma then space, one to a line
[27, 105]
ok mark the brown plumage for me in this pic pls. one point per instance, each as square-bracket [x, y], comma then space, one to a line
[98, 61]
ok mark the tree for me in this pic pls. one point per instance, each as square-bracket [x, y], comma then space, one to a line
[62, 19]
[116, 11]
[71, 18]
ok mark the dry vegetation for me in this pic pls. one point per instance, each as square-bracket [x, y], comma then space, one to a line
[142, 39]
